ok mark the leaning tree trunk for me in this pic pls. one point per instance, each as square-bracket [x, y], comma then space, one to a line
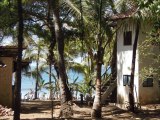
[114, 71]
[66, 97]
[131, 92]
[17, 97]
[114, 61]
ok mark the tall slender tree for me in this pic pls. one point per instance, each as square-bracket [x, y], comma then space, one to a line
[131, 92]
[17, 104]
[96, 109]
[66, 97]
[52, 43]
[37, 75]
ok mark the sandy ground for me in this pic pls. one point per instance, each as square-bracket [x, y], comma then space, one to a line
[41, 110]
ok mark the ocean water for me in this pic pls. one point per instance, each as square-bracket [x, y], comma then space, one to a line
[28, 84]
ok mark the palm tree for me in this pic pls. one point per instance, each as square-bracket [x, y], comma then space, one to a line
[98, 43]
[17, 105]
[37, 55]
[87, 84]
[96, 109]
[52, 44]
[37, 71]
[66, 97]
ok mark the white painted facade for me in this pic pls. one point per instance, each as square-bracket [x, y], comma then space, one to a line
[124, 61]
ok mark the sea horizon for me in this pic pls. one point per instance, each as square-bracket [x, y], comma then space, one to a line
[28, 84]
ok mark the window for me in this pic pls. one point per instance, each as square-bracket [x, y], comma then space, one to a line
[126, 80]
[128, 38]
[148, 82]
[159, 83]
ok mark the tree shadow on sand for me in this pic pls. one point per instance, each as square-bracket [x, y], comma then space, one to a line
[145, 114]
[82, 112]
[37, 106]
[117, 113]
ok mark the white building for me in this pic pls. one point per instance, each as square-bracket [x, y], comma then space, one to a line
[146, 80]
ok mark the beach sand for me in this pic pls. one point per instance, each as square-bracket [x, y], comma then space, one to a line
[41, 110]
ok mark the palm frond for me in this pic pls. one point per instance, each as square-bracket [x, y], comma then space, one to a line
[73, 6]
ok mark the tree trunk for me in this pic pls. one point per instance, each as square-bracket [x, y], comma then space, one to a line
[114, 71]
[97, 109]
[50, 82]
[17, 96]
[51, 46]
[131, 92]
[66, 97]
[51, 57]
[114, 61]
[37, 76]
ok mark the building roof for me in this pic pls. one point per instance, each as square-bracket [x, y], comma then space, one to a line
[12, 51]
[126, 14]
[9, 51]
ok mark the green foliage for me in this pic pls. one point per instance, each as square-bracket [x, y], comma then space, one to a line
[150, 51]
[8, 17]
[150, 8]
[82, 24]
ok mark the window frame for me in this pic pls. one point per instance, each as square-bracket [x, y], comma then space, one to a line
[127, 38]
[148, 82]
[126, 80]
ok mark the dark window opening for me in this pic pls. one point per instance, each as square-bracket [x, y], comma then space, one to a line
[128, 38]
[159, 83]
[126, 80]
[148, 82]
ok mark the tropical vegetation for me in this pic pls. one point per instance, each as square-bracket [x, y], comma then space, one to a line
[58, 32]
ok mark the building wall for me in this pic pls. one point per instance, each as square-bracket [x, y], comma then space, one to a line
[6, 82]
[124, 61]
[145, 58]
[148, 63]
